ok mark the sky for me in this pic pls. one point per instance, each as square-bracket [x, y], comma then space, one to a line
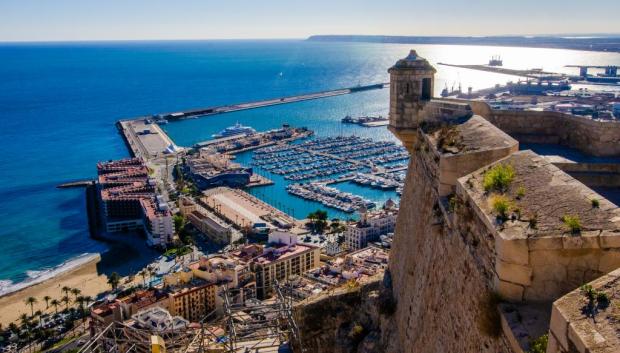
[60, 20]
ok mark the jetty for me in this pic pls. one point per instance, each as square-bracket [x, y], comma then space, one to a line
[76, 184]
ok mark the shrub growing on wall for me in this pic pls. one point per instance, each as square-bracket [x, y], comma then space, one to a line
[498, 178]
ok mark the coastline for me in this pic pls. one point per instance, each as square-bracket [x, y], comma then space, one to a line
[49, 274]
[81, 273]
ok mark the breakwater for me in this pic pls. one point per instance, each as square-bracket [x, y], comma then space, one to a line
[195, 113]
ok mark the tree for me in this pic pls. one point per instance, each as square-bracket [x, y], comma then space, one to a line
[31, 301]
[88, 299]
[75, 292]
[65, 290]
[335, 226]
[318, 221]
[47, 299]
[38, 314]
[66, 300]
[113, 280]
[55, 304]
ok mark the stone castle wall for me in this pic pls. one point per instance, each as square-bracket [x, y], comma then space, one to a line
[597, 138]
[442, 272]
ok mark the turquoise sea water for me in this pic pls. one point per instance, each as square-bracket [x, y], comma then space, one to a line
[59, 102]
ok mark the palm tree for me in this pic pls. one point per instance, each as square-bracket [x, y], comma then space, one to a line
[113, 280]
[75, 292]
[88, 299]
[55, 304]
[25, 321]
[66, 300]
[31, 301]
[47, 299]
[65, 290]
[38, 313]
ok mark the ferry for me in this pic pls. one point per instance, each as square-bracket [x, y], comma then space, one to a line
[234, 130]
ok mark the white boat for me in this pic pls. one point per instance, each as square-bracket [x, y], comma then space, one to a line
[236, 129]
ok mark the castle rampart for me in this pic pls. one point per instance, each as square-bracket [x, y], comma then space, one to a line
[456, 252]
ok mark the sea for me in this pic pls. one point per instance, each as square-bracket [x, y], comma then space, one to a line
[59, 102]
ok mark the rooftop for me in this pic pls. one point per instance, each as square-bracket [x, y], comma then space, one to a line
[274, 254]
[413, 61]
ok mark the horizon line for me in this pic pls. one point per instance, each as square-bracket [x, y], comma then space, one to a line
[557, 35]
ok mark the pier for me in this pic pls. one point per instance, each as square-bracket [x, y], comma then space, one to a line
[531, 73]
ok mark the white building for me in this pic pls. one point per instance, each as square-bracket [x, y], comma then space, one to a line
[332, 248]
[158, 222]
[159, 319]
[370, 226]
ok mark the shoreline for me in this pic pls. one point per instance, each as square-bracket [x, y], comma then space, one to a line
[48, 274]
[81, 274]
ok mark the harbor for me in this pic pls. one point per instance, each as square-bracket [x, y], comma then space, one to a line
[277, 160]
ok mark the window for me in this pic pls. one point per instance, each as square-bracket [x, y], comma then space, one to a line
[426, 89]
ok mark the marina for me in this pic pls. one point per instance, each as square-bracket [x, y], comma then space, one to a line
[314, 164]
[330, 197]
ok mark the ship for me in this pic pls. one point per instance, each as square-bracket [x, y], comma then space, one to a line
[234, 130]
[496, 60]
[362, 119]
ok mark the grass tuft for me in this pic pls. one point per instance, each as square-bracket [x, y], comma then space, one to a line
[500, 205]
[498, 178]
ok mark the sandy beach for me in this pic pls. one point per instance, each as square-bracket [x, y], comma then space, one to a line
[84, 277]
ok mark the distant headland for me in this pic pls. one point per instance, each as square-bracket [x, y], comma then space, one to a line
[603, 42]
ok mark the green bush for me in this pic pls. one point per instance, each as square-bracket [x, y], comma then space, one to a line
[356, 333]
[595, 203]
[498, 178]
[500, 205]
[520, 192]
[452, 203]
[539, 345]
[602, 298]
[572, 223]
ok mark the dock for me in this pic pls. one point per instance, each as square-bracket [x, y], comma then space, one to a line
[144, 140]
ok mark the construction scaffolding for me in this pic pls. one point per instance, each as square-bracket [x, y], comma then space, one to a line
[249, 326]
[260, 326]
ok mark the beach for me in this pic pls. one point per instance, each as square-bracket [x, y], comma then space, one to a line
[83, 276]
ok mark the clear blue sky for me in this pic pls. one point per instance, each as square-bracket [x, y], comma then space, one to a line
[41, 20]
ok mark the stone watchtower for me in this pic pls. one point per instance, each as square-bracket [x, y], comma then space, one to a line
[411, 88]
